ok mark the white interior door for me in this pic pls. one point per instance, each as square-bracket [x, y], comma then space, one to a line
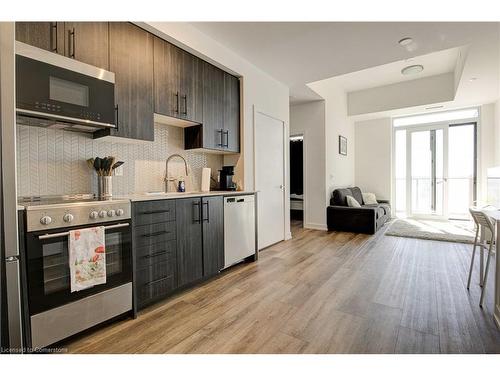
[269, 149]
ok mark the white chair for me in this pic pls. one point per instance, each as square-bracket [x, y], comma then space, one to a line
[482, 222]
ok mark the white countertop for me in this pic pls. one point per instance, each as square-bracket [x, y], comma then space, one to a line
[140, 197]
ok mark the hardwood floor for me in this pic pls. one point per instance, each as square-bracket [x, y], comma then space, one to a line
[321, 292]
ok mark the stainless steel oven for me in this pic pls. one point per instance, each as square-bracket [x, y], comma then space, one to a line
[56, 91]
[56, 312]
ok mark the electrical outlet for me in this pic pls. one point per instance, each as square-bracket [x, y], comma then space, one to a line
[119, 171]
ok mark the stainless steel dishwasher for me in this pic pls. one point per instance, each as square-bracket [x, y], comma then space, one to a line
[239, 228]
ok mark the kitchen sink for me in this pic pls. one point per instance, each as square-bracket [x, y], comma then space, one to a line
[170, 194]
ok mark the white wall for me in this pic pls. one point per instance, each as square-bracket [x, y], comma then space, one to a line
[373, 164]
[309, 119]
[487, 148]
[339, 168]
[428, 90]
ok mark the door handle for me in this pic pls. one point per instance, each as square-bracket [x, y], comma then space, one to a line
[227, 138]
[176, 110]
[159, 233]
[207, 211]
[198, 220]
[220, 144]
[65, 234]
[116, 117]
[185, 105]
[53, 29]
[71, 43]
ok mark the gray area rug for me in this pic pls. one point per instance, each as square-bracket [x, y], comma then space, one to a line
[450, 231]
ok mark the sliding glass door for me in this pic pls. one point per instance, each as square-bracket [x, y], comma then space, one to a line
[435, 170]
[426, 184]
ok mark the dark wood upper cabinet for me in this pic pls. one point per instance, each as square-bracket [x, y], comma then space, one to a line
[151, 76]
[167, 81]
[189, 240]
[213, 107]
[231, 132]
[220, 129]
[45, 35]
[213, 235]
[191, 88]
[131, 59]
[82, 41]
[87, 42]
[178, 86]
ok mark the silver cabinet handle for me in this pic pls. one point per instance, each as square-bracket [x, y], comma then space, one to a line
[64, 234]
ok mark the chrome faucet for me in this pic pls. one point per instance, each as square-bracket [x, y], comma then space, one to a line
[170, 179]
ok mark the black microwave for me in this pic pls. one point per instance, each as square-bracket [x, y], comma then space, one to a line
[56, 91]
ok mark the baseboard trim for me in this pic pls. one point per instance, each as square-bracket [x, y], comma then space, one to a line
[288, 236]
[316, 226]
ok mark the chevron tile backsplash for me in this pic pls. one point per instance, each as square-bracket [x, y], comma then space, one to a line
[53, 162]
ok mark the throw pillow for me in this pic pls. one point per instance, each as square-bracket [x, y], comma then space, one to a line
[352, 202]
[369, 198]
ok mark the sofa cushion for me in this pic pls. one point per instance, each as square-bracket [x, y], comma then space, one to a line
[352, 202]
[369, 198]
[356, 193]
[340, 197]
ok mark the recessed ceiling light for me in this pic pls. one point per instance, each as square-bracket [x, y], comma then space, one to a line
[405, 41]
[472, 79]
[412, 69]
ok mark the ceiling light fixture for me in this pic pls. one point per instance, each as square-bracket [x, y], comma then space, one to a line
[473, 79]
[412, 69]
[405, 41]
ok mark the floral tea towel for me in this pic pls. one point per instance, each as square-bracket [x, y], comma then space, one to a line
[87, 258]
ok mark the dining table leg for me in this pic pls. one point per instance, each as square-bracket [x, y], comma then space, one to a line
[496, 310]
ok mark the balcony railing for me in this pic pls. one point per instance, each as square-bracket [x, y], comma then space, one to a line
[460, 195]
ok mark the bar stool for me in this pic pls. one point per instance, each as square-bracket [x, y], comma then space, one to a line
[482, 220]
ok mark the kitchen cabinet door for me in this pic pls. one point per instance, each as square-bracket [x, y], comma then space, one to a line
[45, 35]
[231, 132]
[131, 59]
[213, 106]
[167, 83]
[191, 88]
[189, 240]
[213, 235]
[87, 42]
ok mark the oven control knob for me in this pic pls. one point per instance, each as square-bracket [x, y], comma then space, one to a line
[111, 213]
[68, 218]
[119, 212]
[94, 215]
[46, 220]
[102, 214]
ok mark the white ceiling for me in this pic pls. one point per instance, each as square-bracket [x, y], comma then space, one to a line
[387, 74]
[297, 53]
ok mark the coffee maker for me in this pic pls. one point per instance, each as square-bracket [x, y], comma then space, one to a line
[226, 178]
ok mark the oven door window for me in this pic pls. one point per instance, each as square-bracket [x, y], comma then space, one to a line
[56, 262]
[48, 269]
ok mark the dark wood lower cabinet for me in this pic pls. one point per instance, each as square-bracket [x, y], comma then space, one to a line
[176, 243]
[213, 235]
[189, 240]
